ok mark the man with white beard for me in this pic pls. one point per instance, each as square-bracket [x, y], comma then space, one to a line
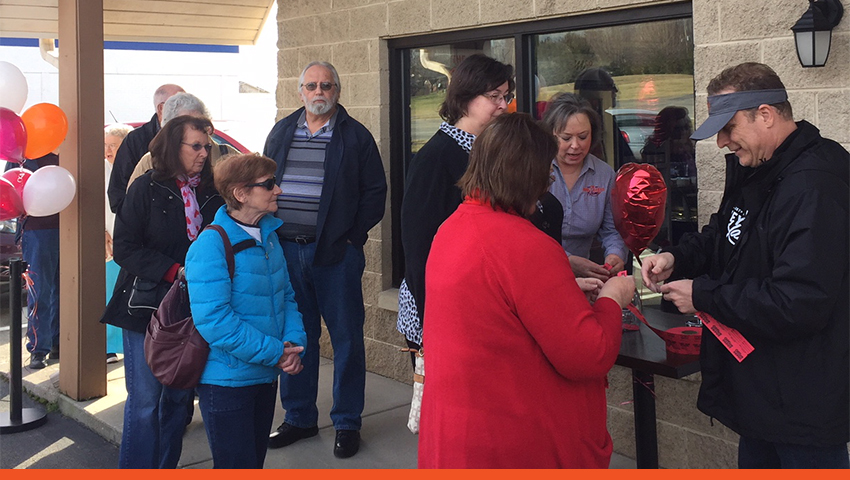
[334, 190]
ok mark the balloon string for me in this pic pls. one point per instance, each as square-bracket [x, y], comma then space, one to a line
[32, 316]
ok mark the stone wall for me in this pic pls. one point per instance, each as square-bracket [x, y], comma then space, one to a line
[351, 34]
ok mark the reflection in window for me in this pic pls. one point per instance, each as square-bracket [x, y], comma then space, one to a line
[639, 78]
[430, 74]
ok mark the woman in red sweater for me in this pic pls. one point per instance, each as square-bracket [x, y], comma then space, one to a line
[517, 356]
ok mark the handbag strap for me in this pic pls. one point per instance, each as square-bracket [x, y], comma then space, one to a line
[228, 248]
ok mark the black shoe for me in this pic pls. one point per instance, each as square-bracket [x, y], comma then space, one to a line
[112, 358]
[347, 443]
[287, 434]
[37, 361]
[54, 353]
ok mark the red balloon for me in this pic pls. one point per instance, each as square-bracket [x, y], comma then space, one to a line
[638, 202]
[13, 136]
[18, 178]
[11, 205]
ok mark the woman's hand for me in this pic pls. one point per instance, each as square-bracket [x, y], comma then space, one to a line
[616, 263]
[590, 287]
[583, 267]
[619, 289]
[290, 361]
[108, 246]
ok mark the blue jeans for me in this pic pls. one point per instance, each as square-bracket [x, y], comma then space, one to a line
[238, 421]
[40, 249]
[332, 292]
[755, 453]
[154, 415]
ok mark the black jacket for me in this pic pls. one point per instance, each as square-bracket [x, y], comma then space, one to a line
[150, 237]
[354, 189]
[431, 195]
[133, 148]
[784, 286]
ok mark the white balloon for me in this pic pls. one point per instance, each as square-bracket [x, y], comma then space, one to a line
[49, 190]
[13, 87]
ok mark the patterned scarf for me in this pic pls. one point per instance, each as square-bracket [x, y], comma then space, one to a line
[190, 203]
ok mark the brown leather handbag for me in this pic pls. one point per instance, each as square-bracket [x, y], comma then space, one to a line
[176, 353]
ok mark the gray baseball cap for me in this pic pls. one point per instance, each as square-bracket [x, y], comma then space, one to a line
[721, 108]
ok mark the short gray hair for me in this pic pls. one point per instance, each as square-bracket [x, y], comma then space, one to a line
[119, 130]
[180, 103]
[321, 64]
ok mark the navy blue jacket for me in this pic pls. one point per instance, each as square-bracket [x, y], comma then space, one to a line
[354, 190]
[132, 149]
[784, 285]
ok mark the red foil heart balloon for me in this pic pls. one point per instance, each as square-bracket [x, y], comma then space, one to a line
[638, 202]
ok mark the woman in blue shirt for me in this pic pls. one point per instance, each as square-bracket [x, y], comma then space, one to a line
[583, 184]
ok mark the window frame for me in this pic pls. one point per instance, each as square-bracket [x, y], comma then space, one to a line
[523, 34]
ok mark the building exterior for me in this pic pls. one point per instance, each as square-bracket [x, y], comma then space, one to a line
[394, 56]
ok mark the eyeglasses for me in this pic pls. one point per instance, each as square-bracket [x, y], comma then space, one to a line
[325, 86]
[198, 146]
[498, 97]
[268, 184]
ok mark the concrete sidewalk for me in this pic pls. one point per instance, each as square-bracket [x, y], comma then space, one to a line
[386, 441]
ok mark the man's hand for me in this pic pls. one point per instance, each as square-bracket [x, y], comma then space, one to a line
[590, 286]
[583, 267]
[655, 269]
[290, 361]
[680, 293]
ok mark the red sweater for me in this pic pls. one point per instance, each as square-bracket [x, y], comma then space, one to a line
[516, 357]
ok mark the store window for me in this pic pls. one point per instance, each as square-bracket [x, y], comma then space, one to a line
[430, 74]
[635, 66]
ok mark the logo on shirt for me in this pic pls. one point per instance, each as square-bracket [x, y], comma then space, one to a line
[593, 190]
[733, 229]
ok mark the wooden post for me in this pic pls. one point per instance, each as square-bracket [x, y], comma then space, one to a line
[82, 372]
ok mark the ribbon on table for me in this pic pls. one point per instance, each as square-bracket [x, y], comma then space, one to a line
[679, 340]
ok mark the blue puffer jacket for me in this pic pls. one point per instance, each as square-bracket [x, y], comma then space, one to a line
[247, 320]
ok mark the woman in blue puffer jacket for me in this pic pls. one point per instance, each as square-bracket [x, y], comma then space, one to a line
[250, 321]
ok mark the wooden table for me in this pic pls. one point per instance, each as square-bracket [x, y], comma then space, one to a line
[645, 353]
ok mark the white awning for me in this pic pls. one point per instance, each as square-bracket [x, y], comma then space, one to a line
[219, 22]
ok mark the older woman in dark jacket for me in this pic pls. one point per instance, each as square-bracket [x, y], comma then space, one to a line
[164, 211]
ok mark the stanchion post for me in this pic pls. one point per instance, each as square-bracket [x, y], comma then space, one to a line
[18, 419]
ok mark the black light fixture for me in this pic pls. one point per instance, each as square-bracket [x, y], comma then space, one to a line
[813, 31]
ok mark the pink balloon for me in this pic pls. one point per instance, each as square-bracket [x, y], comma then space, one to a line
[13, 136]
[11, 205]
[18, 178]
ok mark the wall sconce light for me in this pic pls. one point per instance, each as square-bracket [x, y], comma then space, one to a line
[813, 31]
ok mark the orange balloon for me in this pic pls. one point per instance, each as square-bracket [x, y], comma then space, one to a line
[46, 126]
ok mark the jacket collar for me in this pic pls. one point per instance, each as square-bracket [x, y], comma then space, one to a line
[268, 224]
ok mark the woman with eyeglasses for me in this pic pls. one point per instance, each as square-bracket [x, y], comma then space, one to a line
[163, 212]
[251, 320]
[583, 184]
[517, 356]
[480, 90]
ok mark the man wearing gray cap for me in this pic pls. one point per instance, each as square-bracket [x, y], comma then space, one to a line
[772, 263]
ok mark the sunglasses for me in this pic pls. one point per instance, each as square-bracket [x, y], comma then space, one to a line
[198, 146]
[325, 86]
[268, 184]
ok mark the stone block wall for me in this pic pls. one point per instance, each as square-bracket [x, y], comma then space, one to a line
[352, 35]
[727, 33]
